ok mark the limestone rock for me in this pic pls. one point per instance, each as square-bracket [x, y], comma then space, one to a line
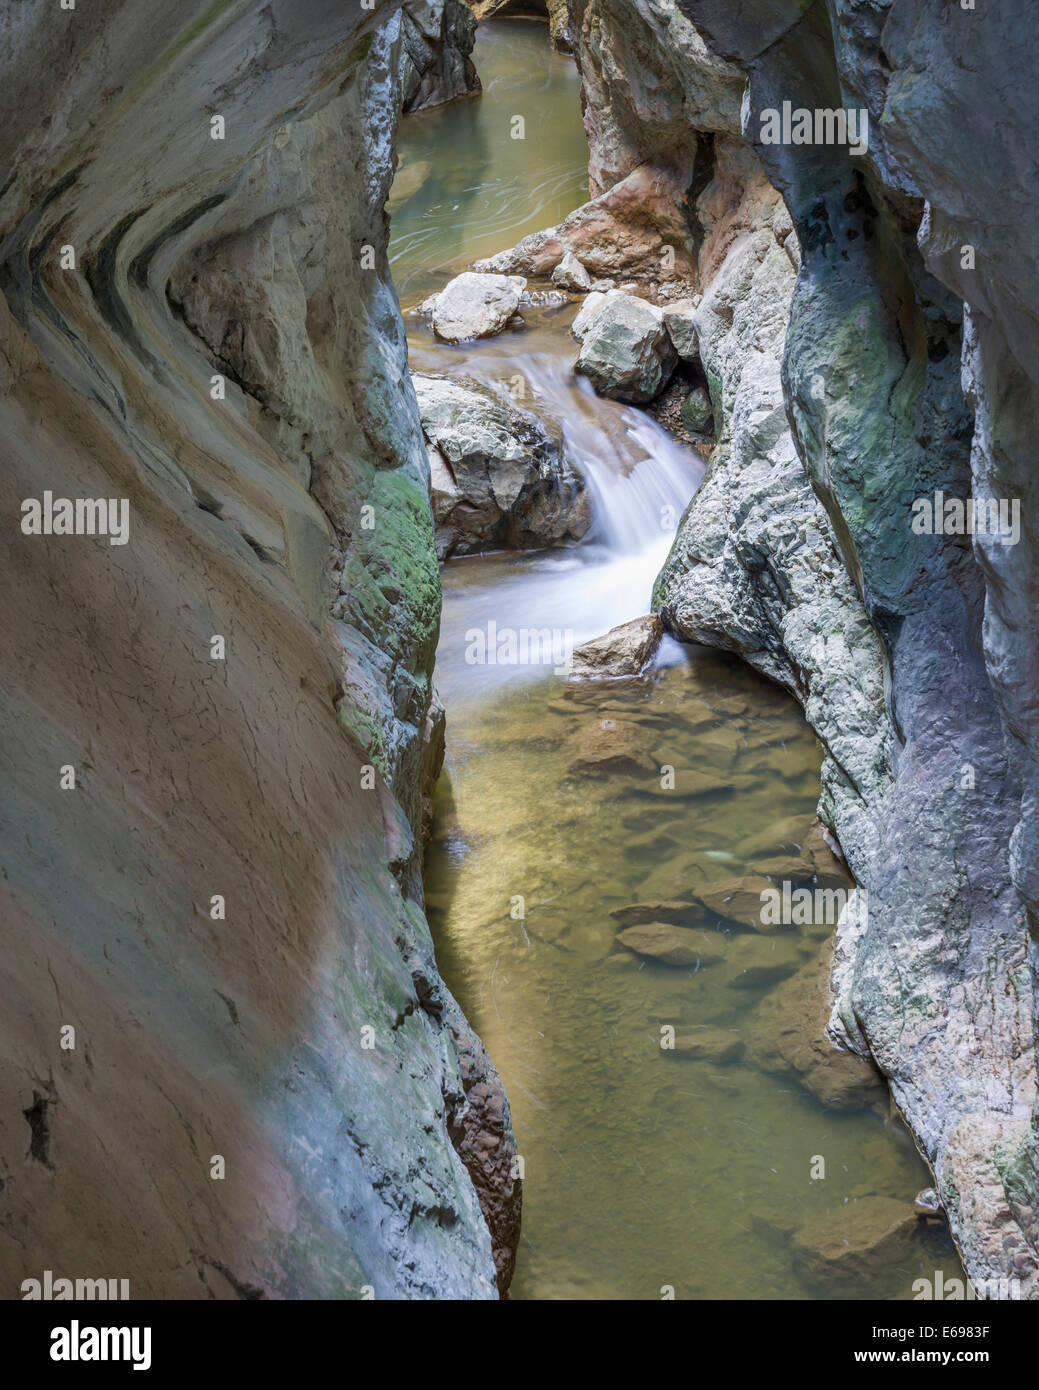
[476, 306]
[623, 651]
[499, 475]
[680, 322]
[570, 274]
[625, 351]
[235, 259]
[435, 62]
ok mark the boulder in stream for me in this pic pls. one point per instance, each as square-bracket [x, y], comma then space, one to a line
[856, 1245]
[625, 650]
[499, 476]
[626, 352]
[589, 311]
[788, 1037]
[474, 305]
[672, 945]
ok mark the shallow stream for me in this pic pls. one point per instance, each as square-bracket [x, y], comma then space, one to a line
[646, 1169]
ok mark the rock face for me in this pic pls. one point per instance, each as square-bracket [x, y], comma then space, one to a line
[626, 352]
[927, 685]
[475, 306]
[555, 11]
[499, 476]
[226, 907]
[438, 37]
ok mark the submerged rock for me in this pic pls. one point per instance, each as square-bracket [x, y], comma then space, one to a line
[475, 306]
[789, 1036]
[857, 1245]
[740, 900]
[670, 910]
[499, 476]
[612, 746]
[625, 351]
[707, 1045]
[623, 651]
[758, 960]
[673, 945]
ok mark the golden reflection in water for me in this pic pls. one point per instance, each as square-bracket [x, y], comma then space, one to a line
[644, 1168]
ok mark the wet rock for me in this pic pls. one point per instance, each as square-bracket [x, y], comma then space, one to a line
[673, 945]
[625, 351]
[676, 912]
[570, 274]
[928, 1203]
[612, 747]
[623, 651]
[499, 475]
[789, 1036]
[739, 900]
[757, 961]
[707, 1045]
[697, 411]
[856, 1245]
[476, 306]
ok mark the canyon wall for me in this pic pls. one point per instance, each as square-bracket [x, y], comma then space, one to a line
[212, 846]
[855, 365]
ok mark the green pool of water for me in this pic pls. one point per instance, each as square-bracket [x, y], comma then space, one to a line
[465, 187]
[647, 1170]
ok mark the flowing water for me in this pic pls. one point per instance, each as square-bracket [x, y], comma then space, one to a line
[647, 1169]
